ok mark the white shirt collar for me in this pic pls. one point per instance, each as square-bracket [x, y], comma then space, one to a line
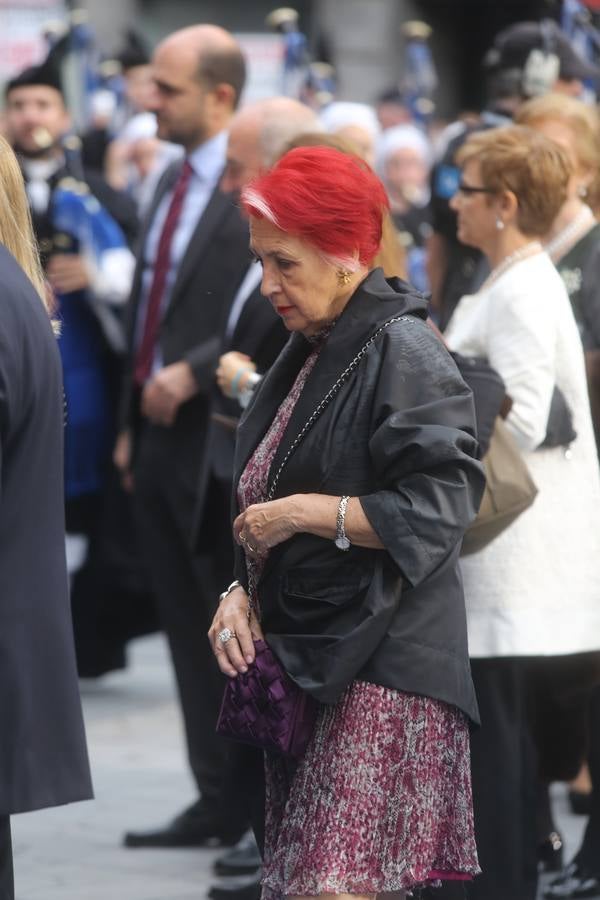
[208, 160]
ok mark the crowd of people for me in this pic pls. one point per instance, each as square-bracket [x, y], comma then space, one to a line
[270, 318]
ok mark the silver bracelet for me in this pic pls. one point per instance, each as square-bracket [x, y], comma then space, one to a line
[245, 395]
[232, 587]
[341, 540]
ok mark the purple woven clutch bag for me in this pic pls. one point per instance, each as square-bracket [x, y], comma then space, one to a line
[265, 708]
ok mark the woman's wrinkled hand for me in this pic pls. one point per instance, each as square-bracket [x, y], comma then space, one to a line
[264, 525]
[237, 653]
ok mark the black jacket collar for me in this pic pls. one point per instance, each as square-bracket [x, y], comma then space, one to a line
[375, 301]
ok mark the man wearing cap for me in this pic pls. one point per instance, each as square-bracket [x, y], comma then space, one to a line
[527, 59]
[38, 122]
[194, 253]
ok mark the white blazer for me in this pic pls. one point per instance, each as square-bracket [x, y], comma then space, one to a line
[535, 590]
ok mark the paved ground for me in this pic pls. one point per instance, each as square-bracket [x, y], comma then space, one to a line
[74, 852]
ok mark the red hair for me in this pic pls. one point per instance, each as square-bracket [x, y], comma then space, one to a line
[330, 199]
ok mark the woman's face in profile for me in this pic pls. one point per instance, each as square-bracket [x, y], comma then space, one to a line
[302, 287]
[476, 214]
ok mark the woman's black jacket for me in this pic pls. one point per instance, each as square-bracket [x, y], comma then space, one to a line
[400, 435]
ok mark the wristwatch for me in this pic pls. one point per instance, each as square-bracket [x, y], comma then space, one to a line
[341, 541]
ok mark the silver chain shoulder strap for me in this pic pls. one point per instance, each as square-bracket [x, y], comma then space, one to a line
[329, 396]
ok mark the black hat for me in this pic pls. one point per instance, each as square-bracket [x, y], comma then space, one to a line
[134, 51]
[513, 46]
[47, 73]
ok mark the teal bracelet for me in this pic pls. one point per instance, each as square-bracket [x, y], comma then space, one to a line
[235, 381]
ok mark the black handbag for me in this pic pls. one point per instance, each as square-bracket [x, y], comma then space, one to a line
[489, 394]
[509, 489]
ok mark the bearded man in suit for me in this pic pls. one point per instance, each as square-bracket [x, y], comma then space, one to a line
[194, 252]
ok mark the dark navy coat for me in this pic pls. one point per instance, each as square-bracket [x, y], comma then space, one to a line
[43, 756]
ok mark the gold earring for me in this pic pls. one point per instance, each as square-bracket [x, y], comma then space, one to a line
[344, 277]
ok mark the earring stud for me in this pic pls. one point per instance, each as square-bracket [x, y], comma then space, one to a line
[344, 277]
[499, 224]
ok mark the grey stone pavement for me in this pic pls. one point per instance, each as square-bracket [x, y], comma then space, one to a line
[136, 748]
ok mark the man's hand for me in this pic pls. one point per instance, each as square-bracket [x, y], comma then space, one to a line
[229, 366]
[68, 272]
[166, 391]
[237, 653]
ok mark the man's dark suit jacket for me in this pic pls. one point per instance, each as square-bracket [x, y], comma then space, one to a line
[43, 757]
[260, 333]
[210, 271]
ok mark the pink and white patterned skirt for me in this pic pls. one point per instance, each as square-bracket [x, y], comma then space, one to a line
[381, 800]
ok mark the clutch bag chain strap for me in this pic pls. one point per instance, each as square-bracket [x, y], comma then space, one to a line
[253, 586]
[329, 396]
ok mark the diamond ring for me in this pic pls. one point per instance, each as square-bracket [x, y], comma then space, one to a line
[226, 635]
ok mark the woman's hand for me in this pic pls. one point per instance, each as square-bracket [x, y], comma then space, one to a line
[230, 365]
[236, 654]
[264, 525]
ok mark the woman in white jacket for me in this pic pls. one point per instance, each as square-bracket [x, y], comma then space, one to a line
[534, 592]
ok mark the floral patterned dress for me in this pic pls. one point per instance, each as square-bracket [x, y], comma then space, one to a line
[381, 800]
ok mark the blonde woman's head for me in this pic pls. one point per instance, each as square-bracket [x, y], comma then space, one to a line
[16, 231]
[524, 163]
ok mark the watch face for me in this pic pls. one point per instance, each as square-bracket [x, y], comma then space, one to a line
[342, 543]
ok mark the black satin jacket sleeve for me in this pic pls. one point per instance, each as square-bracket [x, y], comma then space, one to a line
[423, 450]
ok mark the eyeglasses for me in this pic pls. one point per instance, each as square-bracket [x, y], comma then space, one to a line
[472, 189]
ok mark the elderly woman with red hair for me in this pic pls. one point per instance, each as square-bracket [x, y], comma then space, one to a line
[356, 477]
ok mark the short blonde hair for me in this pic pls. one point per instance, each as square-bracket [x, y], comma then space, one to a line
[583, 122]
[517, 159]
[16, 230]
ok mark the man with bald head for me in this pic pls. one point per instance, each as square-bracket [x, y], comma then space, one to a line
[258, 135]
[194, 252]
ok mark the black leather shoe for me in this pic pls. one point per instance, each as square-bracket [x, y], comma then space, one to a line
[237, 888]
[243, 859]
[194, 827]
[573, 883]
[550, 853]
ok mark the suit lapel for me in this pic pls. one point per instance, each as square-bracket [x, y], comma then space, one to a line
[217, 208]
[164, 185]
[166, 182]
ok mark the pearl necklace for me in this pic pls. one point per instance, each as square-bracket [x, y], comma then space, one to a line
[523, 252]
[568, 236]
